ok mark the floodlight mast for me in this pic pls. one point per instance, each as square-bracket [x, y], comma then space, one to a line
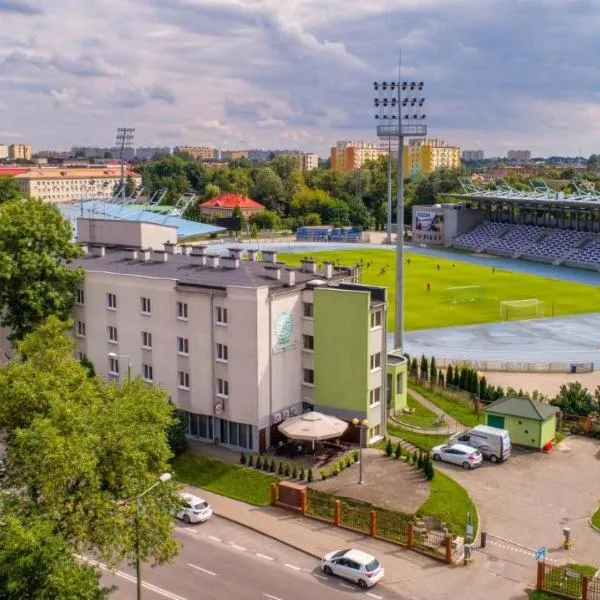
[400, 114]
[125, 137]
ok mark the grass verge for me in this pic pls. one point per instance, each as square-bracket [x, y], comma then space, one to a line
[450, 502]
[240, 483]
[596, 518]
[425, 309]
[421, 415]
[420, 440]
[461, 409]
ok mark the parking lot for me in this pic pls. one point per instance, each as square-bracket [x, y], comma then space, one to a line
[530, 498]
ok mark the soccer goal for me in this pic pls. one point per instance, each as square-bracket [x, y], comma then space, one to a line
[465, 293]
[521, 309]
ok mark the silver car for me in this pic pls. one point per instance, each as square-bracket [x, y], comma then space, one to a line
[458, 454]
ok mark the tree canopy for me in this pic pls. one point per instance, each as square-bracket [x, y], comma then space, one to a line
[9, 190]
[575, 399]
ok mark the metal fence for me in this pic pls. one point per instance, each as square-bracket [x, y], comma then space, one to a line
[566, 582]
[593, 589]
[518, 367]
[430, 542]
[320, 505]
[355, 517]
[392, 527]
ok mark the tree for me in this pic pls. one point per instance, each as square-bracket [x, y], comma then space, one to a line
[268, 189]
[432, 370]
[79, 450]
[37, 563]
[86, 363]
[9, 189]
[424, 370]
[574, 399]
[266, 219]
[177, 432]
[36, 281]
[240, 219]
[450, 375]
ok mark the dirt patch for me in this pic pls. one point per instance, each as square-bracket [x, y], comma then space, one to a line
[388, 483]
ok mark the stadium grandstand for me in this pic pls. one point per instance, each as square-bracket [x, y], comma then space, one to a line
[318, 233]
[538, 224]
[138, 207]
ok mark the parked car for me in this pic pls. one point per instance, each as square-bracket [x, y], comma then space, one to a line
[492, 442]
[458, 454]
[354, 565]
[194, 509]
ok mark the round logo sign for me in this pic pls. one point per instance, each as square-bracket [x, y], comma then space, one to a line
[284, 325]
[219, 409]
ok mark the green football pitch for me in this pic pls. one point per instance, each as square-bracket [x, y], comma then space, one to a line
[425, 309]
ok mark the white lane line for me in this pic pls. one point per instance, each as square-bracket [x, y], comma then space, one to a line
[348, 587]
[264, 556]
[238, 547]
[292, 567]
[214, 538]
[201, 569]
[270, 597]
[374, 596]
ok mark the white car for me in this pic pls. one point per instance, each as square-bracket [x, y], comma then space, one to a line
[458, 454]
[194, 509]
[354, 565]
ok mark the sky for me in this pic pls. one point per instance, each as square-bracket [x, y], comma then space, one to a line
[298, 74]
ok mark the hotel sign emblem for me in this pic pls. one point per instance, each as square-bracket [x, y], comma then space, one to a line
[284, 326]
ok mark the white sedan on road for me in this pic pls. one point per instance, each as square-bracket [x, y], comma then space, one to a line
[354, 565]
[194, 509]
[458, 454]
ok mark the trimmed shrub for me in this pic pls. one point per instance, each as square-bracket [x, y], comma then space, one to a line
[349, 461]
[356, 455]
[414, 458]
[272, 466]
[420, 460]
[266, 464]
[287, 470]
[243, 459]
[450, 374]
[433, 372]
[302, 474]
[388, 448]
[424, 370]
[259, 462]
[251, 460]
[280, 469]
[294, 472]
[309, 477]
[398, 451]
[324, 473]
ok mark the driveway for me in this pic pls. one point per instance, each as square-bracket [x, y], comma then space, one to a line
[530, 498]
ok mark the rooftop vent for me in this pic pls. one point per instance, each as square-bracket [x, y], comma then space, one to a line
[252, 255]
[99, 251]
[309, 266]
[328, 270]
[290, 277]
[269, 256]
[213, 260]
[145, 254]
[171, 248]
[273, 272]
[160, 256]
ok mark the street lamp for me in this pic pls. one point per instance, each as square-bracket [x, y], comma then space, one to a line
[129, 365]
[400, 114]
[125, 137]
[138, 513]
[362, 424]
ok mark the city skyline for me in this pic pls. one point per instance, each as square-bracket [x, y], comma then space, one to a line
[496, 80]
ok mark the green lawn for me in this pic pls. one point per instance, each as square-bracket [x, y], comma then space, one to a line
[241, 483]
[461, 409]
[421, 417]
[430, 309]
[449, 501]
[596, 518]
[420, 440]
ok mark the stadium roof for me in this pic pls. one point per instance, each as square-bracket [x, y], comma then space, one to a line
[541, 195]
[129, 212]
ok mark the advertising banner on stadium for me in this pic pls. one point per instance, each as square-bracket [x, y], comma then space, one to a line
[429, 221]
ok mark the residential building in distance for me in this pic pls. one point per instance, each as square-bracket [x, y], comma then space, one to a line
[519, 155]
[348, 156]
[57, 184]
[234, 154]
[150, 152]
[198, 152]
[3, 151]
[427, 155]
[19, 152]
[473, 155]
[240, 344]
[309, 161]
[224, 204]
[97, 152]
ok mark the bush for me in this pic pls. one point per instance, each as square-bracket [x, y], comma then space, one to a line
[309, 477]
[414, 458]
[272, 466]
[335, 470]
[302, 474]
[243, 459]
[280, 469]
[388, 448]
[258, 462]
[398, 451]
[356, 455]
[429, 474]
[266, 464]
[349, 460]
[251, 460]
[324, 473]
[294, 472]
[420, 460]
[287, 470]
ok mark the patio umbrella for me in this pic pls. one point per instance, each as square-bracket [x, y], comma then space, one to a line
[313, 427]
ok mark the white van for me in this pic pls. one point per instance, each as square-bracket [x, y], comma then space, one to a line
[492, 442]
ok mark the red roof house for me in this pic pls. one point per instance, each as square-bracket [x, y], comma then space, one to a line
[224, 204]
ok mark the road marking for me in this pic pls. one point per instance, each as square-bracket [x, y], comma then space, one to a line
[270, 597]
[238, 547]
[214, 539]
[292, 567]
[201, 569]
[374, 596]
[345, 585]
[264, 556]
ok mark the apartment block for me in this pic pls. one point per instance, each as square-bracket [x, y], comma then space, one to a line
[473, 155]
[348, 156]
[427, 155]
[198, 152]
[3, 151]
[19, 152]
[240, 343]
[519, 155]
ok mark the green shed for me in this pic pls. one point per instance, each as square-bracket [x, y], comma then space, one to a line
[529, 422]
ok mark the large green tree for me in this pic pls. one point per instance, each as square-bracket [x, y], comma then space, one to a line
[9, 190]
[575, 399]
[80, 450]
[36, 280]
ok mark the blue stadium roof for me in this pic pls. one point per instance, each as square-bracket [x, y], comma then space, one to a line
[129, 212]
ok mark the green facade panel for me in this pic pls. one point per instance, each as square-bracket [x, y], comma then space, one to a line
[397, 393]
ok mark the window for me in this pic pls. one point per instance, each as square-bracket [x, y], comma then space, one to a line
[113, 366]
[221, 315]
[235, 434]
[111, 301]
[183, 346]
[81, 355]
[182, 311]
[222, 352]
[146, 306]
[222, 388]
[375, 361]
[146, 340]
[80, 329]
[307, 309]
[79, 297]
[184, 380]
[308, 342]
[376, 319]
[375, 396]
[200, 426]
[308, 376]
[113, 336]
[375, 432]
[148, 374]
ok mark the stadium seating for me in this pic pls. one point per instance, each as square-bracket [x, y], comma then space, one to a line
[328, 234]
[587, 256]
[516, 240]
[480, 236]
[555, 245]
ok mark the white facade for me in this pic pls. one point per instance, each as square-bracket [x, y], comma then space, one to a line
[3, 151]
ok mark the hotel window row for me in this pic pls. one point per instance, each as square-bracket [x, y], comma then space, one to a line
[226, 432]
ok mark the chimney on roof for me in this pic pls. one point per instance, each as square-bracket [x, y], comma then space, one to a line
[171, 248]
[99, 251]
[273, 272]
[328, 270]
[145, 254]
[309, 265]
[132, 254]
[231, 261]
[160, 256]
[199, 250]
[213, 260]
[235, 252]
[269, 256]
[290, 277]
[186, 249]
[252, 255]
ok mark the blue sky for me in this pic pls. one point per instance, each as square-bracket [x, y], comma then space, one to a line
[517, 74]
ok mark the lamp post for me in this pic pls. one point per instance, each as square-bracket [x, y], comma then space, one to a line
[362, 424]
[399, 113]
[138, 514]
[125, 137]
[129, 365]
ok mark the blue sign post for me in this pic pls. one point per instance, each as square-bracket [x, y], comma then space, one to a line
[540, 554]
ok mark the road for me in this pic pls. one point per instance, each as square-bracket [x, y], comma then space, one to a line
[220, 559]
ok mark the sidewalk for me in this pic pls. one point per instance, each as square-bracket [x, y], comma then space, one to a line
[452, 423]
[407, 572]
